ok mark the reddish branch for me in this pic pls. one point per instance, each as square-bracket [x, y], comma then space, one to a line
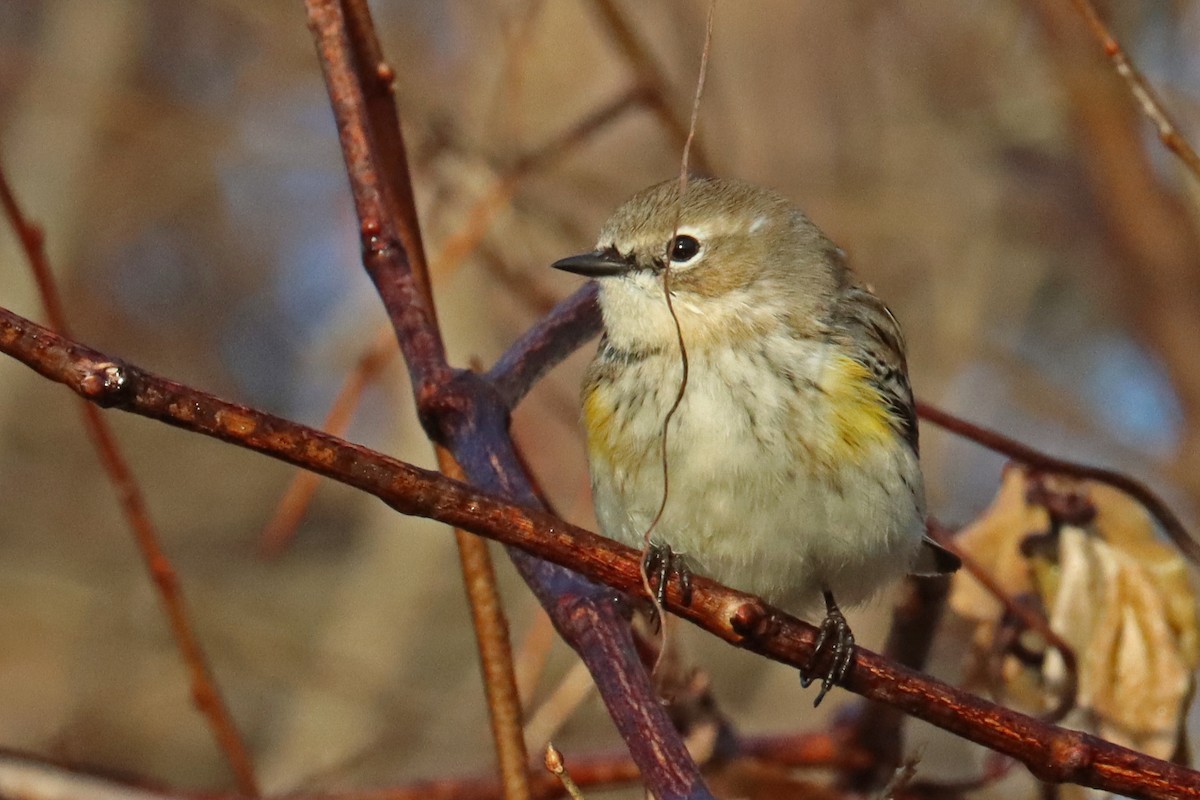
[460, 411]
[1051, 753]
[1147, 99]
[205, 693]
[1018, 451]
[823, 750]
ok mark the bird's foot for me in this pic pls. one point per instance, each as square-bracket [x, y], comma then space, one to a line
[836, 638]
[660, 563]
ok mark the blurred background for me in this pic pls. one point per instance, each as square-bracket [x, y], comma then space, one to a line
[980, 163]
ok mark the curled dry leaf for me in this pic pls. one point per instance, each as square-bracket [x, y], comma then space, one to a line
[1110, 588]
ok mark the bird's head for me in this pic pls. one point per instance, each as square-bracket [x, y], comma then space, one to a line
[741, 258]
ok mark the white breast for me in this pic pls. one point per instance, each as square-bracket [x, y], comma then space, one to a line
[748, 504]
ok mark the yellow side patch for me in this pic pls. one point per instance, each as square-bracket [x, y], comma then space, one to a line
[598, 420]
[858, 416]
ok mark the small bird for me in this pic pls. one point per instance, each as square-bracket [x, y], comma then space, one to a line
[792, 456]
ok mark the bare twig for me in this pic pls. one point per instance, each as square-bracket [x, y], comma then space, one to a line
[1010, 447]
[1147, 99]
[500, 194]
[651, 74]
[556, 767]
[495, 652]
[1053, 754]
[205, 693]
[547, 720]
[1029, 619]
[531, 656]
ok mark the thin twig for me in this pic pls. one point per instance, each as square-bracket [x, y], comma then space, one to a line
[556, 767]
[530, 659]
[559, 706]
[1145, 95]
[1010, 447]
[495, 651]
[1053, 754]
[651, 74]
[499, 195]
[1026, 616]
[205, 693]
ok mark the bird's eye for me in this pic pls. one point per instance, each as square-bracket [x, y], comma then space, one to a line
[684, 248]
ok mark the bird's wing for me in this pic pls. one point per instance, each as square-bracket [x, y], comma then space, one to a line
[878, 344]
[933, 559]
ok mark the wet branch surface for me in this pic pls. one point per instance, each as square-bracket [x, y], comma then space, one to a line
[1052, 754]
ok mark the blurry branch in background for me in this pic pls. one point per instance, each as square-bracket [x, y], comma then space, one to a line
[1150, 229]
[293, 506]
[495, 651]
[1147, 99]
[499, 196]
[653, 77]
[206, 695]
[1051, 753]
[43, 779]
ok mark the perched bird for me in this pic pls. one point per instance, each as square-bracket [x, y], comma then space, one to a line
[792, 456]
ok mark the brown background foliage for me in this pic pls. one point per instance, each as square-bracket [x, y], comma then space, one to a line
[979, 163]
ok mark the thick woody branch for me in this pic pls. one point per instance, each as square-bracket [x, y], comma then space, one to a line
[460, 411]
[1051, 753]
[567, 327]
[360, 91]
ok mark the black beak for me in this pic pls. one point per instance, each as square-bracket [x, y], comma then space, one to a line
[598, 264]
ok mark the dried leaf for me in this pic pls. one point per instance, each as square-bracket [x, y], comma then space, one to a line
[1113, 591]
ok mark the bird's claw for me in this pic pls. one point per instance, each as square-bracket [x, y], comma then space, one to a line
[836, 637]
[660, 563]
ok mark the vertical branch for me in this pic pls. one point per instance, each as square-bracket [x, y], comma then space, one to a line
[460, 410]
[373, 149]
[495, 651]
[205, 694]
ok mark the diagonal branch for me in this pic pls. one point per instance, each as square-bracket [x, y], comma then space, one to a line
[206, 695]
[1147, 98]
[1035, 458]
[460, 411]
[1051, 753]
